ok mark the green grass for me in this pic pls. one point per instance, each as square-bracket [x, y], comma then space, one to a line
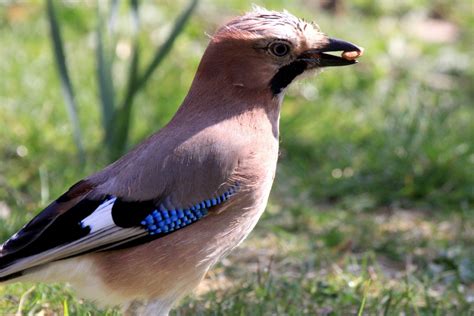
[372, 208]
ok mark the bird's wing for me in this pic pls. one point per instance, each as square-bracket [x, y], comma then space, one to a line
[76, 224]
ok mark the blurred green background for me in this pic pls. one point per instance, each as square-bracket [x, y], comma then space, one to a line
[372, 208]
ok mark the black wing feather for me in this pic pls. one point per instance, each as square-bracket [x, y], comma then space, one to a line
[35, 238]
[75, 224]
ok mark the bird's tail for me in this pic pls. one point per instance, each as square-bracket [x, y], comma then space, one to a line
[4, 264]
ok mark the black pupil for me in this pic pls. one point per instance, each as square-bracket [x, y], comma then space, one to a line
[280, 49]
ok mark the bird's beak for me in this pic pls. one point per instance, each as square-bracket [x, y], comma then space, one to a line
[317, 57]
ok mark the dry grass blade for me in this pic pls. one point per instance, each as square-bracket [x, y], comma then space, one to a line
[23, 299]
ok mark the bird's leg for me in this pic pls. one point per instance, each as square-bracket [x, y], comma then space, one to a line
[135, 308]
[156, 307]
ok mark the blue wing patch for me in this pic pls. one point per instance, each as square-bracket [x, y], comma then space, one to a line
[90, 220]
[163, 221]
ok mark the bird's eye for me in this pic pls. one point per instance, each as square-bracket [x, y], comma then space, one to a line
[279, 49]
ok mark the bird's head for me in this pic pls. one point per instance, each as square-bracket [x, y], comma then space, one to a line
[267, 50]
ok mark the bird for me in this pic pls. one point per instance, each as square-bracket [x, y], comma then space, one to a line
[142, 232]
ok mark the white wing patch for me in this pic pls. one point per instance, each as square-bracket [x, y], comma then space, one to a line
[101, 218]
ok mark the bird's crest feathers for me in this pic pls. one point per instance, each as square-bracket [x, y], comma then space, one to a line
[261, 22]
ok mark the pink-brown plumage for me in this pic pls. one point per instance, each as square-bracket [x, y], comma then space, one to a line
[225, 132]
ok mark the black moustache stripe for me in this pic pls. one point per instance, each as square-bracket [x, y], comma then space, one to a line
[286, 74]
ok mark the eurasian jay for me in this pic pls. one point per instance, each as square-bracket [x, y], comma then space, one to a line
[147, 227]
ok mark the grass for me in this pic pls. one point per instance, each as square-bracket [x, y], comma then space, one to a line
[372, 208]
